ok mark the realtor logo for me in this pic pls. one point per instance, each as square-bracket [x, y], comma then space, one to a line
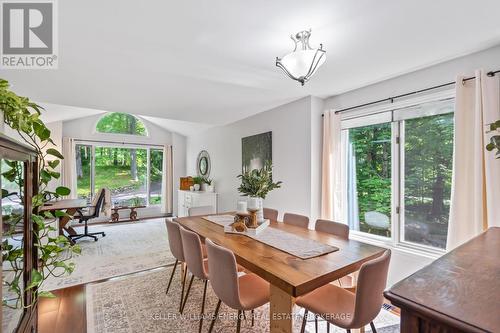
[29, 34]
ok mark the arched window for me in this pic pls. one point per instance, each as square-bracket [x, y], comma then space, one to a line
[121, 123]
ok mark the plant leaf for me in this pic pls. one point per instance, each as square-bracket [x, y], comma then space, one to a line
[54, 152]
[63, 191]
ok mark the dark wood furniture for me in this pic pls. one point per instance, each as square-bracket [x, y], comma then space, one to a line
[15, 151]
[115, 216]
[288, 275]
[459, 292]
[71, 206]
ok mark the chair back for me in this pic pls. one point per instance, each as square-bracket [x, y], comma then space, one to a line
[223, 274]
[201, 210]
[271, 214]
[296, 220]
[99, 203]
[175, 240]
[372, 280]
[334, 228]
[193, 254]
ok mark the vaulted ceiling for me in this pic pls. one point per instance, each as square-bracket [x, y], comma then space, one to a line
[213, 61]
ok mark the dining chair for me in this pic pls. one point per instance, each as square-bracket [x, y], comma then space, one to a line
[201, 210]
[346, 309]
[331, 227]
[271, 214]
[196, 264]
[296, 220]
[242, 293]
[175, 244]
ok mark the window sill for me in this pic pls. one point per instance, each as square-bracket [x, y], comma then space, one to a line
[388, 243]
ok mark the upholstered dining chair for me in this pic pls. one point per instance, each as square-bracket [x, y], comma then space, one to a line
[175, 244]
[201, 210]
[331, 227]
[296, 220]
[270, 214]
[198, 266]
[349, 310]
[242, 293]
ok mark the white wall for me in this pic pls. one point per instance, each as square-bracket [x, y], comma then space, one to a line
[291, 136]
[489, 60]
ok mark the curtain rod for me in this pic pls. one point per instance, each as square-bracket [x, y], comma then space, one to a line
[391, 99]
[119, 143]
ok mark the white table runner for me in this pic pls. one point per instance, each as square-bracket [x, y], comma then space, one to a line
[295, 245]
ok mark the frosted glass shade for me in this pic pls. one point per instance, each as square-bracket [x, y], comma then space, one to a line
[299, 63]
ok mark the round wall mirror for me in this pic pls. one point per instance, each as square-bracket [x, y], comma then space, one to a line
[203, 164]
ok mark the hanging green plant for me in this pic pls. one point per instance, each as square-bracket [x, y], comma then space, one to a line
[494, 143]
[54, 253]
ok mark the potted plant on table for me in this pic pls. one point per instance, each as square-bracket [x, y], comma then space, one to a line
[197, 182]
[256, 184]
[207, 184]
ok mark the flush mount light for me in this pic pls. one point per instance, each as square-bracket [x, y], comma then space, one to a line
[303, 61]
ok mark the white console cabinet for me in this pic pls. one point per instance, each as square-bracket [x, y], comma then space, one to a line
[187, 199]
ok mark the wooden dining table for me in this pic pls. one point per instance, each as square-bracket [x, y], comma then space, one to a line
[70, 206]
[289, 276]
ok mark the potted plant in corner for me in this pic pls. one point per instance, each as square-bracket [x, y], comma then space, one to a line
[256, 184]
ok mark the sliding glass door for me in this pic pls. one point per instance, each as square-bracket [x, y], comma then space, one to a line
[132, 174]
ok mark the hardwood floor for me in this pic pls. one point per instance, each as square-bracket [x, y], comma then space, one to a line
[65, 313]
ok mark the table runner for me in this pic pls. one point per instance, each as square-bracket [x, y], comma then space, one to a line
[300, 247]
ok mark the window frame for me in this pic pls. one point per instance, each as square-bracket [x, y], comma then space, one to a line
[125, 135]
[94, 144]
[396, 239]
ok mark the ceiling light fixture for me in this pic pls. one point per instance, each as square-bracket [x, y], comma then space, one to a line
[303, 61]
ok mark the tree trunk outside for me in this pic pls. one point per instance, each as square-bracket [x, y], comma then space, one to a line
[133, 153]
[79, 171]
[133, 164]
[438, 196]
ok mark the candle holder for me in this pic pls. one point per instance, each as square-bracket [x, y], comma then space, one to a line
[253, 217]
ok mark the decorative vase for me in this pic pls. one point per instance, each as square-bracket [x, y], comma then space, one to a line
[204, 187]
[257, 204]
[209, 188]
[196, 187]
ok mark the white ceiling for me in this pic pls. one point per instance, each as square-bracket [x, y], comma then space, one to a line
[213, 61]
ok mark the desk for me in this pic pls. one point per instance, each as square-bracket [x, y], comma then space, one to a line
[288, 275]
[459, 292]
[70, 206]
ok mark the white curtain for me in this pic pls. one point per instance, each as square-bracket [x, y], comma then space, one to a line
[331, 181]
[475, 197]
[167, 181]
[69, 166]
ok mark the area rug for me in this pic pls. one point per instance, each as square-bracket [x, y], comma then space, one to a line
[127, 248]
[137, 303]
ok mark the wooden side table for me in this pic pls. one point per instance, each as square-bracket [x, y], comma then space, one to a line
[115, 216]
